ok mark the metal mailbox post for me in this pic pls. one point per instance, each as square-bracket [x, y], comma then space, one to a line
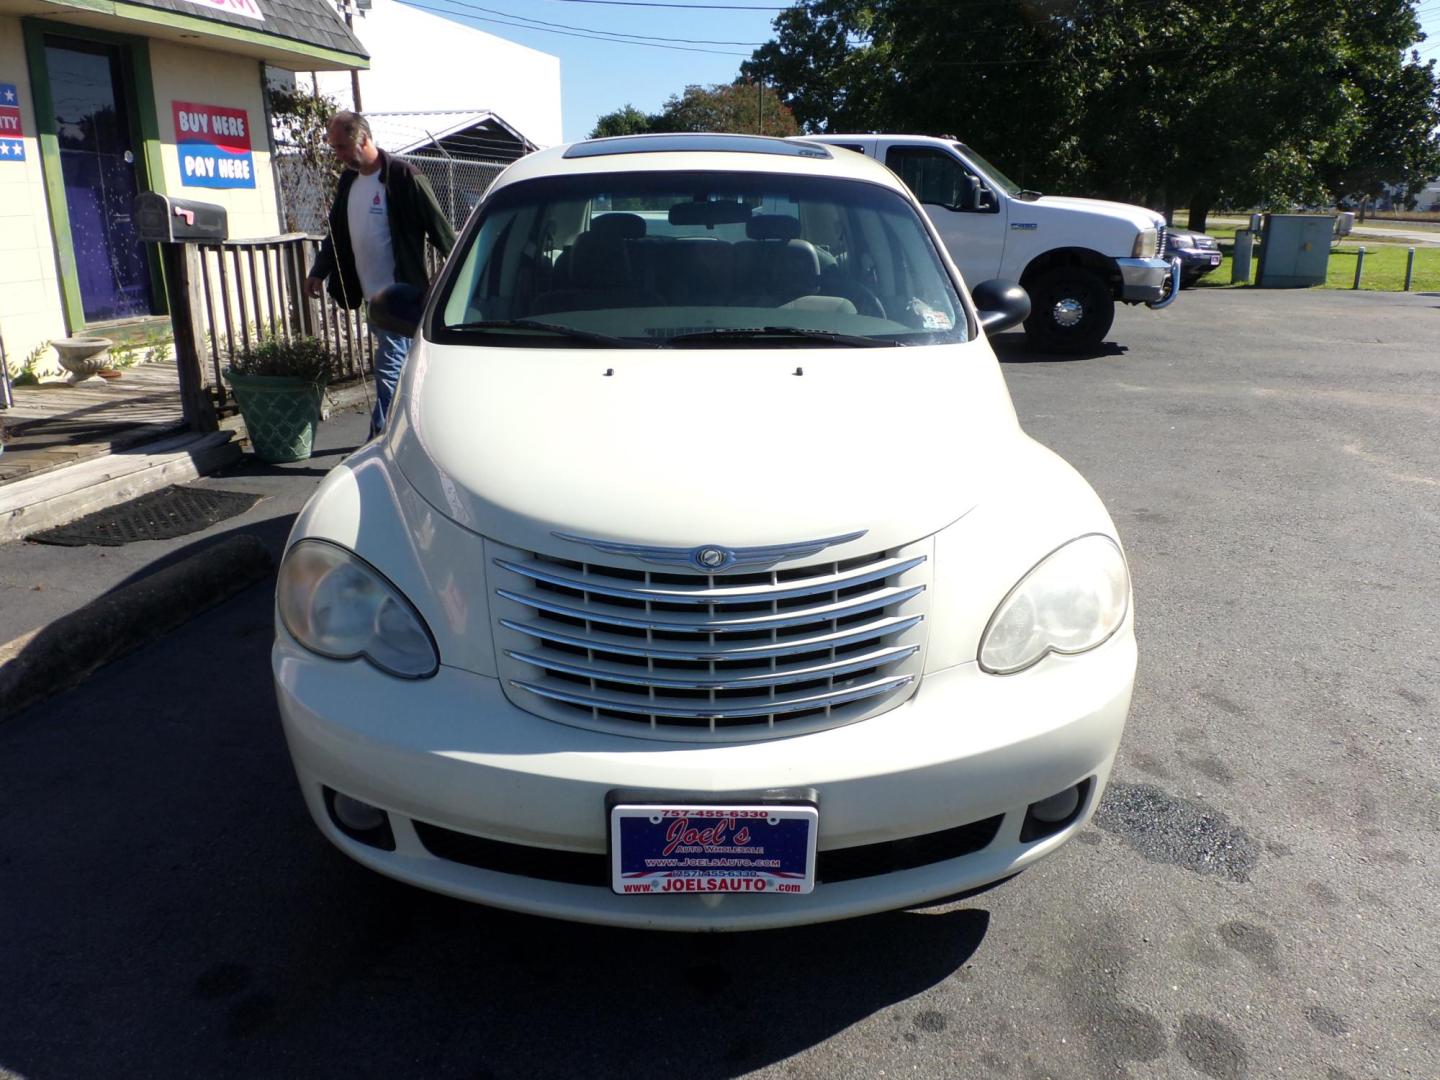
[177, 225]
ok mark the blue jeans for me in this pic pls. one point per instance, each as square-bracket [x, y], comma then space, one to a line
[390, 350]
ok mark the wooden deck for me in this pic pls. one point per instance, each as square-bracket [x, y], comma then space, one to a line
[56, 424]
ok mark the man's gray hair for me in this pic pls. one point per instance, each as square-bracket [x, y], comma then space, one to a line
[352, 125]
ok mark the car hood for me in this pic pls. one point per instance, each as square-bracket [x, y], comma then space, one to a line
[689, 447]
[1137, 216]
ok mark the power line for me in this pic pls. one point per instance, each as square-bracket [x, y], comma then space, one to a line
[681, 7]
[562, 33]
[607, 33]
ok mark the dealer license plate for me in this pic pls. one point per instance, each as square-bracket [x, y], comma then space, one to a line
[659, 848]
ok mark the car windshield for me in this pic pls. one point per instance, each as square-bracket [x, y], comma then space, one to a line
[697, 260]
[988, 168]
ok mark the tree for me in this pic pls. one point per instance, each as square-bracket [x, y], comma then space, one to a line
[1171, 102]
[626, 121]
[741, 107]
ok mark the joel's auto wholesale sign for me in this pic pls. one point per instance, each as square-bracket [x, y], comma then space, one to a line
[214, 145]
[247, 9]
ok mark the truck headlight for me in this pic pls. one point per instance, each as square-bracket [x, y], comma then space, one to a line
[336, 604]
[1147, 244]
[1071, 602]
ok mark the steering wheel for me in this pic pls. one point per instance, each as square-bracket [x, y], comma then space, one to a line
[864, 299]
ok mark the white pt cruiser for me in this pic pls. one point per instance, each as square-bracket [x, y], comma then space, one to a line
[704, 579]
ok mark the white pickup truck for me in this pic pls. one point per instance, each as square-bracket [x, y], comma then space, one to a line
[1075, 257]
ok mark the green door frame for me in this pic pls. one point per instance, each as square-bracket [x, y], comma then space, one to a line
[135, 70]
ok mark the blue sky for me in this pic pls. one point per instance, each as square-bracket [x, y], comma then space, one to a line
[600, 76]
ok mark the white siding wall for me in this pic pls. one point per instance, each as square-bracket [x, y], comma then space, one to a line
[30, 310]
[421, 62]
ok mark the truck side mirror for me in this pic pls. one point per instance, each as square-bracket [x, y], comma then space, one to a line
[397, 308]
[1002, 304]
[984, 197]
[970, 192]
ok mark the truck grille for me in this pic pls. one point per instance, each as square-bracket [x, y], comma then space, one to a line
[698, 657]
[1161, 243]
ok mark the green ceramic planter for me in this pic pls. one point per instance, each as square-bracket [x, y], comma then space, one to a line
[280, 414]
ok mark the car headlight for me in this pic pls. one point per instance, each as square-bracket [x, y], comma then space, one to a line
[1180, 242]
[1071, 602]
[336, 604]
[1147, 244]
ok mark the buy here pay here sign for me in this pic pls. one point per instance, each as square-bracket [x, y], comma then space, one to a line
[214, 145]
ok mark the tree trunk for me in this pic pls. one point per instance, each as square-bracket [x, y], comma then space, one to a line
[1364, 202]
[1199, 211]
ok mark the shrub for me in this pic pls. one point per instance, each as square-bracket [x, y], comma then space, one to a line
[301, 357]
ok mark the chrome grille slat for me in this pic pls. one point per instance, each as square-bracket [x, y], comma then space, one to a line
[879, 629]
[740, 595]
[878, 658]
[779, 705]
[674, 624]
[689, 656]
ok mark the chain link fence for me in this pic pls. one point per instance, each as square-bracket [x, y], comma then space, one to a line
[307, 189]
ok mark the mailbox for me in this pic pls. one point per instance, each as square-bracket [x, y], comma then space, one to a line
[160, 219]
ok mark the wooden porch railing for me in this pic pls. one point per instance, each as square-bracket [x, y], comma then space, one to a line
[226, 297]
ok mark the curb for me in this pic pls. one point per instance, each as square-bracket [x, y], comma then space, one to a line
[60, 655]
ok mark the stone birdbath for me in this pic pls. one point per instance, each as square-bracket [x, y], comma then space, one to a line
[83, 357]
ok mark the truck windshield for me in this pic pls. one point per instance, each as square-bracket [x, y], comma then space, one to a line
[1006, 184]
[697, 260]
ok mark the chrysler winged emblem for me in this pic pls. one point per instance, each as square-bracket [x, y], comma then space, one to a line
[713, 558]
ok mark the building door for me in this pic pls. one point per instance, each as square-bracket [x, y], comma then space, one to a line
[95, 132]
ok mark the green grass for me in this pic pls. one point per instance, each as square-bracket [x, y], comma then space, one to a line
[1384, 266]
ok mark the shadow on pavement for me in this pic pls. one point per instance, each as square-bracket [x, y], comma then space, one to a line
[1014, 349]
[181, 916]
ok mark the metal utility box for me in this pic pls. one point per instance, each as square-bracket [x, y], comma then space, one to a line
[1294, 250]
[160, 219]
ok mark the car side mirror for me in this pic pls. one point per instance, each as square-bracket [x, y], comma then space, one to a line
[397, 308]
[1002, 304]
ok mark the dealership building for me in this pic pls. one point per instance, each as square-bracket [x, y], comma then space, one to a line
[103, 99]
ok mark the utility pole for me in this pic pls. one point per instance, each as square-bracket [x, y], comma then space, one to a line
[354, 72]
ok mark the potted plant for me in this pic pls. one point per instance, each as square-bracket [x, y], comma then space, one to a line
[278, 384]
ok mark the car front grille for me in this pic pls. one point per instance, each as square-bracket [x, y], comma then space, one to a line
[831, 867]
[1161, 242]
[697, 657]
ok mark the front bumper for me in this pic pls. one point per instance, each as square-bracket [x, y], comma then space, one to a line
[452, 751]
[1148, 281]
[1197, 262]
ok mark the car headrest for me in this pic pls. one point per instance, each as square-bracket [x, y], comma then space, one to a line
[624, 226]
[773, 227]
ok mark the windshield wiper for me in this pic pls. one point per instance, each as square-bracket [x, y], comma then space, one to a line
[784, 333]
[1028, 195]
[554, 328]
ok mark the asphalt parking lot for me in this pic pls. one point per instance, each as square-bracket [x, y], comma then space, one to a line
[1257, 897]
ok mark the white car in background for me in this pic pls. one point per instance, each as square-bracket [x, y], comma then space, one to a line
[703, 580]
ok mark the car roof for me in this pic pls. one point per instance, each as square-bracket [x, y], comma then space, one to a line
[698, 152]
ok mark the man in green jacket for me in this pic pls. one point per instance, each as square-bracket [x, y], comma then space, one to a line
[384, 211]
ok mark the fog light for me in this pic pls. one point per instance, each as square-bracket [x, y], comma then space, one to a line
[359, 820]
[1055, 808]
[1051, 814]
[357, 815]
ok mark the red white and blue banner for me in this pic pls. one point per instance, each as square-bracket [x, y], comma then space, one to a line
[12, 146]
[214, 145]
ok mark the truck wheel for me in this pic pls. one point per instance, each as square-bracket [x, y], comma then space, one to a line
[1072, 310]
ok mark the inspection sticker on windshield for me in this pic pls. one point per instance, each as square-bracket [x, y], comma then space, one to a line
[930, 318]
[657, 848]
